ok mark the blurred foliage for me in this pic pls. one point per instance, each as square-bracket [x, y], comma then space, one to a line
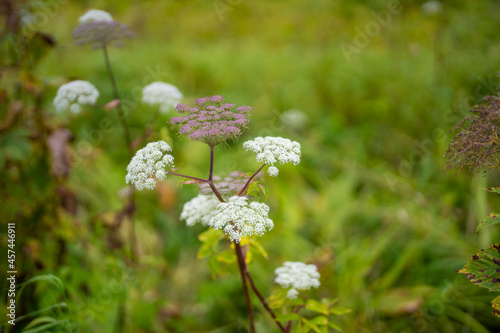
[368, 204]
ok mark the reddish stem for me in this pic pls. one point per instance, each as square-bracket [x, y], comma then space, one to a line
[240, 192]
[242, 269]
[263, 300]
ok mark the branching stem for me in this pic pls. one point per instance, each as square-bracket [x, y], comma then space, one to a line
[240, 192]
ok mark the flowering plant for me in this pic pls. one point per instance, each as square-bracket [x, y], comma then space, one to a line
[230, 207]
[474, 147]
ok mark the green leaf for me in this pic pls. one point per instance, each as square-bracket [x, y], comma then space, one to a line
[214, 267]
[319, 320]
[334, 326]
[310, 325]
[495, 189]
[495, 304]
[277, 298]
[259, 248]
[210, 236]
[288, 317]
[316, 306]
[210, 240]
[493, 218]
[338, 310]
[227, 256]
[484, 268]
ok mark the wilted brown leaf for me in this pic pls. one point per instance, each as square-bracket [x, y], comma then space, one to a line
[59, 152]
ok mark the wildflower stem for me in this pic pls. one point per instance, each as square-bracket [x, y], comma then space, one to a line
[116, 95]
[243, 271]
[211, 174]
[128, 142]
[262, 299]
[240, 192]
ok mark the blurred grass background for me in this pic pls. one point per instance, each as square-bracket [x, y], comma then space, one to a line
[369, 203]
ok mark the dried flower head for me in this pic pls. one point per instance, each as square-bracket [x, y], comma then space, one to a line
[166, 95]
[271, 150]
[148, 165]
[238, 218]
[200, 209]
[228, 185]
[477, 144]
[298, 276]
[210, 121]
[95, 15]
[98, 29]
[75, 93]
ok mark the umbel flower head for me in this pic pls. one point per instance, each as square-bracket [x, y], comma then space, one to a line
[200, 209]
[75, 93]
[477, 143]
[148, 165]
[240, 219]
[211, 121]
[298, 276]
[271, 150]
[98, 29]
[166, 95]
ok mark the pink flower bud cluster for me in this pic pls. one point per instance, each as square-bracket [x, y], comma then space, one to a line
[211, 121]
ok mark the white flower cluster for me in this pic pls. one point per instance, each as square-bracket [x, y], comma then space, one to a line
[200, 209]
[240, 219]
[95, 15]
[271, 150]
[148, 164]
[164, 94]
[432, 7]
[298, 276]
[72, 94]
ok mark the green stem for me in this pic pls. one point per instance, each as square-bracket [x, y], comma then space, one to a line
[116, 95]
[128, 141]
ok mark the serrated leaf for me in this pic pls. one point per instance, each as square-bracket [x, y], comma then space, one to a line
[495, 304]
[493, 218]
[259, 248]
[288, 317]
[210, 236]
[210, 240]
[316, 306]
[494, 189]
[204, 251]
[310, 325]
[484, 268]
[338, 310]
[277, 298]
[227, 257]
